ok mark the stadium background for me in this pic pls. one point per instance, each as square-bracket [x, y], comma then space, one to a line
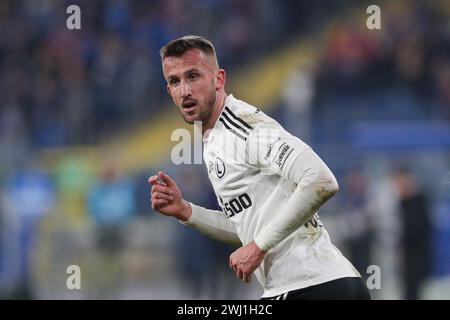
[85, 119]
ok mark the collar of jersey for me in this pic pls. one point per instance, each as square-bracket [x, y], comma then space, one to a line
[227, 103]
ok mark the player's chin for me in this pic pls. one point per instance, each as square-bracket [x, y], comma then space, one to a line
[190, 118]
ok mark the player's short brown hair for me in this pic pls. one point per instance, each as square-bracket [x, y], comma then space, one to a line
[179, 46]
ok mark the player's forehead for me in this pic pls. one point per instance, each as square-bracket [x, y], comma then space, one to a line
[191, 59]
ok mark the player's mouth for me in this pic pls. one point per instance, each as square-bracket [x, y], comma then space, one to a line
[189, 106]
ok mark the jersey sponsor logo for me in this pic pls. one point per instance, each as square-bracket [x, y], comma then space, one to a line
[236, 205]
[234, 124]
[220, 168]
[283, 153]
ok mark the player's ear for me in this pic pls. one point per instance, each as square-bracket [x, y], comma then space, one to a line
[221, 78]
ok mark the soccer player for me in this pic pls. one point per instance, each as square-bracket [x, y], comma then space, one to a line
[269, 184]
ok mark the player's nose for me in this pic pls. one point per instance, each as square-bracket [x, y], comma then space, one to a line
[185, 90]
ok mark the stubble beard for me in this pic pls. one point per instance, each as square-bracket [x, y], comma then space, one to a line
[205, 113]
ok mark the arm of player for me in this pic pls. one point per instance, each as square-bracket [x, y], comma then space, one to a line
[316, 184]
[278, 152]
[167, 199]
[213, 224]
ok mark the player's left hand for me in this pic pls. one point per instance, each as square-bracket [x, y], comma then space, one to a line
[245, 260]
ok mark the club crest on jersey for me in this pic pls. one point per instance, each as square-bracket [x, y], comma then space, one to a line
[220, 168]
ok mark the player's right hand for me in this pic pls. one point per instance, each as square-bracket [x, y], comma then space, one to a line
[166, 197]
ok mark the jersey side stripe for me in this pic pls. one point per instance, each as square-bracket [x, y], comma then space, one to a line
[231, 129]
[234, 123]
[238, 119]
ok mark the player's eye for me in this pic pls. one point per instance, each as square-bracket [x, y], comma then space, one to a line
[193, 76]
[173, 82]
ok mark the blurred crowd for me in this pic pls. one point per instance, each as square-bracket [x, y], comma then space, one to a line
[382, 97]
[409, 56]
[65, 87]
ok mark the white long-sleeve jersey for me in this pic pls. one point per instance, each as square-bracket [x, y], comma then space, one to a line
[261, 174]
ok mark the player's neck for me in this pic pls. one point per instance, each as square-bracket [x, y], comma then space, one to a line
[217, 109]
